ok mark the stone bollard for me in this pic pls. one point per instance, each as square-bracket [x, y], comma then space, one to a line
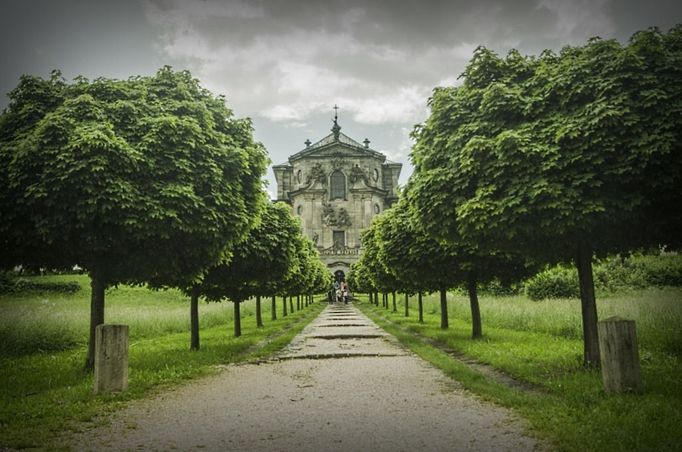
[619, 355]
[111, 358]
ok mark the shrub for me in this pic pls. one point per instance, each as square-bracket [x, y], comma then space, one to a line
[553, 282]
[662, 270]
[617, 273]
[613, 274]
[12, 285]
[7, 283]
[500, 289]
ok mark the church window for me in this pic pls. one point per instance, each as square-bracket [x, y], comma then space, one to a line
[299, 210]
[339, 238]
[299, 176]
[377, 209]
[375, 175]
[338, 186]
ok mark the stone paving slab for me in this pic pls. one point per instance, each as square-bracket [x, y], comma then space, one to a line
[355, 335]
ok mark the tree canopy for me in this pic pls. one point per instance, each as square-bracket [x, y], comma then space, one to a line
[559, 155]
[150, 178]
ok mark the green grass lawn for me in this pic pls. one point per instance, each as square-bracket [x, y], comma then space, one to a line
[43, 338]
[541, 343]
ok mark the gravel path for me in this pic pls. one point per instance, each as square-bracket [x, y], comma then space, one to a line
[343, 384]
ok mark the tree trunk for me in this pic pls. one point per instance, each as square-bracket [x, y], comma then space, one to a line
[291, 304]
[407, 305]
[237, 320]
[284, 306]
[307, 297]
[385, 300]
[259, 318]
[443, 309]
[476, 327]
[371, 301]
[97, 286]
[376, 298]
[298, 302]
[274, 308]
[588, 304]
[395, 305]
[194, 318]
[421, 308]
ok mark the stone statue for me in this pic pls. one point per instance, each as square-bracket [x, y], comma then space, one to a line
[328, 214]
[343, 219]
[357, 174]
[316, 175]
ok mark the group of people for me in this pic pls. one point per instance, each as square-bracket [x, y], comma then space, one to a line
[339, 293]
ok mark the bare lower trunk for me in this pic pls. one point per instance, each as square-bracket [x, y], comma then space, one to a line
[284, 306]
[98, 286]
[421, 308]
[298, 302]
[443, 309]
[194, 318]
[237, 320]
[376, 298]
[259, 318]
[274, 308]
[291, 304]
[371, 301]
[395, 305]
[589, 305]
[407, 305]
[476, 326]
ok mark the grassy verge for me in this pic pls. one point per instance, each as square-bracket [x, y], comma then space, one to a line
[538, 343]
[44, 388]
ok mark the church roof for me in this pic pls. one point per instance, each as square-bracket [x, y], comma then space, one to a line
[329, 139]
[337, 137]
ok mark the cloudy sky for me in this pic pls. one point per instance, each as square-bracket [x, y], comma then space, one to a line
[286, 63]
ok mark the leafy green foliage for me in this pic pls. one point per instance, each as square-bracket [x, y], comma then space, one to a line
[536, 154]
[415, 261]
[150, 179]
[259, 264]
[558, 156]
[24, 285]
[555, 282]
[613, 274]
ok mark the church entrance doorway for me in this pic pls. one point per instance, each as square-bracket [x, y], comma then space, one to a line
[339, 275]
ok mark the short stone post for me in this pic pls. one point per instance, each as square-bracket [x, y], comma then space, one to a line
[111, 358]
[619, 355]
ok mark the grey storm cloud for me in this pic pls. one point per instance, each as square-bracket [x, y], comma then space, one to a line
[287, 60]
[285, 63]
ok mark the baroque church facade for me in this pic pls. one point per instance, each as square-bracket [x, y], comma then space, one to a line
[336, 186]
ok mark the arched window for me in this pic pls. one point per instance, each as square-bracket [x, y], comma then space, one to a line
[338, 186]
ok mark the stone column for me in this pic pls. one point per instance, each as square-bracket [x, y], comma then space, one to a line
[111, 358]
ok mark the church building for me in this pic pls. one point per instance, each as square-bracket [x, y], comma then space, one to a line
[336, 186]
